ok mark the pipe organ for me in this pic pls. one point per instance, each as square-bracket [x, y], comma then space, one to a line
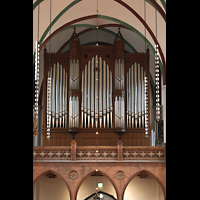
[96, 89]
[58, 113]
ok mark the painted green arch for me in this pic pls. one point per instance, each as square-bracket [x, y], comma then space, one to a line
[162, 1]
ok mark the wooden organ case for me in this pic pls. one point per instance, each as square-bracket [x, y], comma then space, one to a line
[97, 88]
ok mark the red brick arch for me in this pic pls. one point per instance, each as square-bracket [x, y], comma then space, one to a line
[105, 173]
[55, 173]
[108, 169]
[150, 174]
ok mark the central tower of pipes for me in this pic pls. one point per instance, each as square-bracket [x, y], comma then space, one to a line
[119, 89]
[74, 94]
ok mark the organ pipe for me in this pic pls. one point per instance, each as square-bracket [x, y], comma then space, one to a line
[136, 95]
[65, 100]
[53, 95]
[60, 97]
[110, 96]
[107, 99]
[57, 93]
[89, 86]
[139, 95]
[63, 97]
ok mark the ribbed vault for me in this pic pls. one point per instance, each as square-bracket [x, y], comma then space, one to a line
[82, 14]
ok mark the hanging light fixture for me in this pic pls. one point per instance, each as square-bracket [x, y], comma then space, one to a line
[37, 77]
[49, 87]
[48, 106]
[146, 105]
[96, 196]
[146, 121]
[157, 74]
[97, 26]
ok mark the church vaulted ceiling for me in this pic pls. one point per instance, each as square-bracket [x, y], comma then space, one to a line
[82, 14]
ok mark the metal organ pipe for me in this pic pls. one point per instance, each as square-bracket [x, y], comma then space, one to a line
[104, 94]
[57, 93]
[60, 97]
[100, 93]
[53, 94]
[63, 97]
[96, 90]
[122, 75]
[88, 114]
[132, 98]
[136, 95]
[129, 99]
[82, 109]
[110, 96]
[85, 97]
[139, 96]
[108, 90]
[119, 100]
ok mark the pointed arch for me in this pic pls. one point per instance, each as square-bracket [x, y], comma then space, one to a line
[148, 173]
[55, 173]
[92, 173]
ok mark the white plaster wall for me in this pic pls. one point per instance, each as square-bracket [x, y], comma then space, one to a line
[143, 189]
[50, 189]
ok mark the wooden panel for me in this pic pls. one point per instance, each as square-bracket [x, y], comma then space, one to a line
[98, 142]
[57, 139]
[103, 139]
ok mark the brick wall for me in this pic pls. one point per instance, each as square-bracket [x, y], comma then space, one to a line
[120, 173]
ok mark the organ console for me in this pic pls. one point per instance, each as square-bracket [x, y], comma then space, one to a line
[96, 87]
